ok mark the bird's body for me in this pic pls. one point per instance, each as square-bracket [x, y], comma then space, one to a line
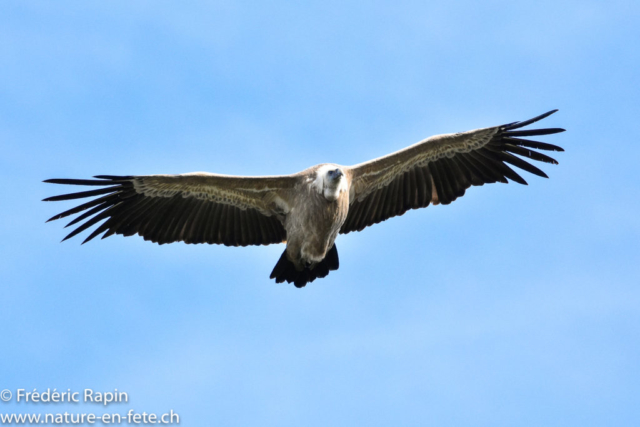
[318, 210]
[308, 209]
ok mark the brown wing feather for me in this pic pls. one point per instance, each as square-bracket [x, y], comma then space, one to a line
[440, 169]
[192, 208]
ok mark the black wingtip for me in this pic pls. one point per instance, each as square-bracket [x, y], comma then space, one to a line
[90, 182]
[53, 180]
[518, 125]
[114, 177]
[532, 132]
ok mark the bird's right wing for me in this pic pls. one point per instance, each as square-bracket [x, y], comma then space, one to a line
[440, 169]
[193, 208]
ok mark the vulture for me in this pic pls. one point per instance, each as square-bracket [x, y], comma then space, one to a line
[305, 210]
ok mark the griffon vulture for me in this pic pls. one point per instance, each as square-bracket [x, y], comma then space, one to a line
[308, 209]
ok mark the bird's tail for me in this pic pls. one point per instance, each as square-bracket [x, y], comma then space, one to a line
[285, 270]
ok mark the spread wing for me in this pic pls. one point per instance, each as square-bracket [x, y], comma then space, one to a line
[440, 169]
[193, 208]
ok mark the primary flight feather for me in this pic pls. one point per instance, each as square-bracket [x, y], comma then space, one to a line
[308, 209]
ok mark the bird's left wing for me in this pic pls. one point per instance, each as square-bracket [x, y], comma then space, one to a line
[193, 208]
[440, 169]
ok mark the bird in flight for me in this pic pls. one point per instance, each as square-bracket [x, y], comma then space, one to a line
[306, 210]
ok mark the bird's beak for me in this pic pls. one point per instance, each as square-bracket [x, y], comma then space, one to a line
[338, 173]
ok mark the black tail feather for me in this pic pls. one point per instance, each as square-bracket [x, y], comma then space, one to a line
[286, 271]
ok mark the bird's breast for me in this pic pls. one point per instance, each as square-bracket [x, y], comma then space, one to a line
[314, 222]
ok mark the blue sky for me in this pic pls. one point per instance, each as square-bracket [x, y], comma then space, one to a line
[512, 306]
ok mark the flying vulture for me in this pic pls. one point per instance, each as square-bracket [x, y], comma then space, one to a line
[306, 210]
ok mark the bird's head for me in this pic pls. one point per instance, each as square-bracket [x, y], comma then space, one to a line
[331, 181]
[334, 175]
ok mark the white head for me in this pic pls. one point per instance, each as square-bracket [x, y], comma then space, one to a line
[330, 182]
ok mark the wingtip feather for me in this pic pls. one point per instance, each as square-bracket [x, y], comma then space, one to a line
[518, 125]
